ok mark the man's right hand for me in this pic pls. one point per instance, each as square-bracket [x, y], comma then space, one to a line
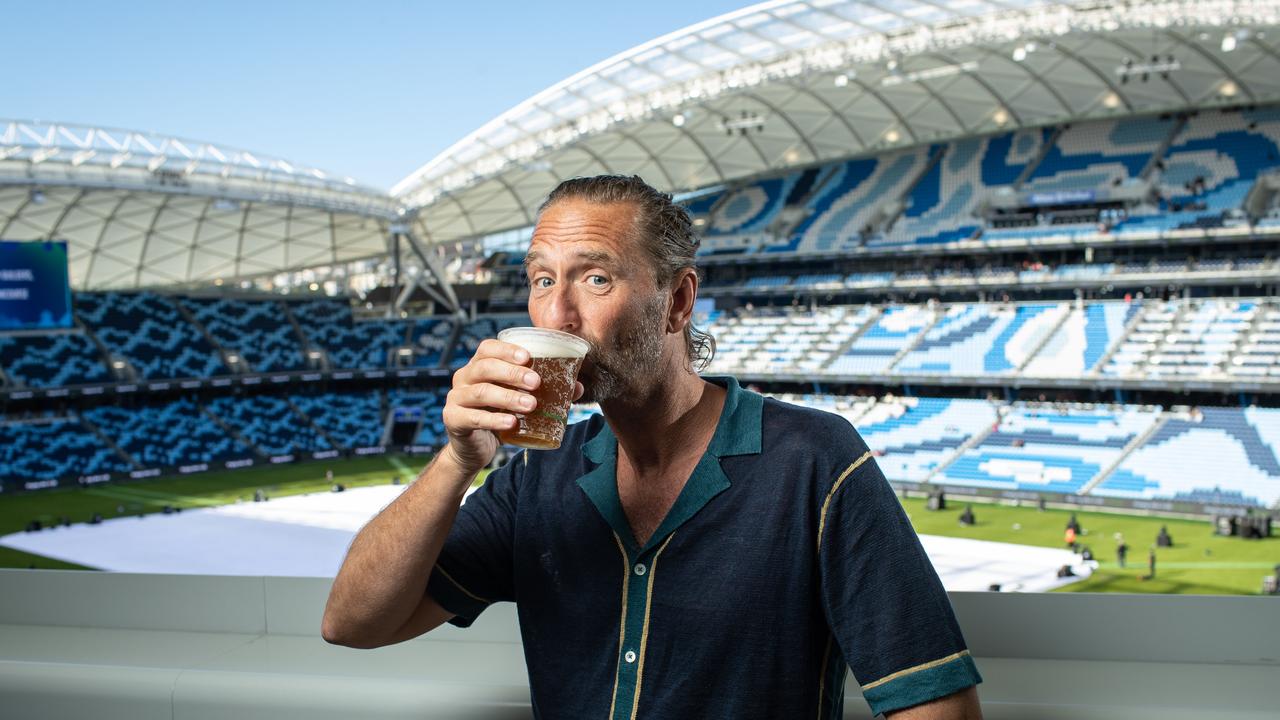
[486, 392]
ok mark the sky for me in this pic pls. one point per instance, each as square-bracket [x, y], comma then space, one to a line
[370, 89]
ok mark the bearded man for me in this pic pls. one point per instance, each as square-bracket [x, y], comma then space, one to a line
[696, 551]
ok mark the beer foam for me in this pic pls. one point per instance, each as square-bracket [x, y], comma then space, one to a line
[541, 342]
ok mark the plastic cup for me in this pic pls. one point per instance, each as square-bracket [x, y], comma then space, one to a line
[556, 357]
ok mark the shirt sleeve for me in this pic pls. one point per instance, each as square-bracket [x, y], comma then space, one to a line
[475, 567]
[885, 604]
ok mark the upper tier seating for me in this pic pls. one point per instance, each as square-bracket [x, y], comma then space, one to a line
[149, 332]
[840, 211]
[53, 360]
[1082, 340]
[942, 206]
[1210, 168]
[255, 329]
[328, 324]
[976, 339]
[1095, 156]
[481, 329]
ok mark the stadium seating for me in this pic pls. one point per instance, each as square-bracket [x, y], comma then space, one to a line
[783, 342]
[349, 419]
[53, 448]
[840, 211]
[430, 336]
[479, 330]
[429, 404]
[1183, 339]
[1210, 168]
[913, 436]
[1049, 449]
[751, 208]
[1220, 456]
[892, 331]
[269, 423]
[168, 435]
[1082, 340]
[942, 206]
[976, 339]
[54, 360]
[148, 331]
[255, 329]
[1095, 156]
[327, 324]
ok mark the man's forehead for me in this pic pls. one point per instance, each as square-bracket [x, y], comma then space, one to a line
[589, 228]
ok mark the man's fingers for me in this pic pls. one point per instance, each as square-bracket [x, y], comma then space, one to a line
[578, 390]
[463, 419]
[488, 395]
[495, 370]
[503, 351]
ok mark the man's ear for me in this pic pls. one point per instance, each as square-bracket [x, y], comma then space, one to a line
[683, 293]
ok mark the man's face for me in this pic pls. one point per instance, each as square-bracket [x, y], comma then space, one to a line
[589, 277]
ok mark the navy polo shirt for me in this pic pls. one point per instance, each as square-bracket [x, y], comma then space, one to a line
[785, 560]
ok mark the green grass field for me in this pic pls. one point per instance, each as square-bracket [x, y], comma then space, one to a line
[1199, 562]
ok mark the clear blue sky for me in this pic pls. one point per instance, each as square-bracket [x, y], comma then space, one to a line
[370, 89]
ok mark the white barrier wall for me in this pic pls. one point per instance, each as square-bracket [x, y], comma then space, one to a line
[112, 645]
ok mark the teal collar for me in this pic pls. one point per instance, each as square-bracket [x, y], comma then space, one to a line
[737, 433]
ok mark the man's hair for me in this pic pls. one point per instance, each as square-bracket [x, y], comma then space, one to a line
[663, 228]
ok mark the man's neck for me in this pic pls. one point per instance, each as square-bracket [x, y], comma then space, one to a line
[658, 430]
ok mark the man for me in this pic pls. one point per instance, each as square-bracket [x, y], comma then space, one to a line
[697, 552]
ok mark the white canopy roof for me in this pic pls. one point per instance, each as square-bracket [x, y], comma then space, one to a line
[140, 209]
[782, 84]
[794, 82]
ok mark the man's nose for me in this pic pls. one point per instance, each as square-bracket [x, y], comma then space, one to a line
[562, 309]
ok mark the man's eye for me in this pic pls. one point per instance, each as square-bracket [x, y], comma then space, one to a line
[542, 282]
[598, 280]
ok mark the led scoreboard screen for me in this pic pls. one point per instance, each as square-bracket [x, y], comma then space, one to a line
[35, 293]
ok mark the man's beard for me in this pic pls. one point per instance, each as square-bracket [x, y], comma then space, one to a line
[627, 363]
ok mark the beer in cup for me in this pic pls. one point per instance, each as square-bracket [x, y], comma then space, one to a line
[556, 358]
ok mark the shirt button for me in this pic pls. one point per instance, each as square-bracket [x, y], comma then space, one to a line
[640, 568]
[630, 656]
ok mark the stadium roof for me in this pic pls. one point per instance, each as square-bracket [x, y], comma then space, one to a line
[781, 84]
[794, 82]
[140, 209]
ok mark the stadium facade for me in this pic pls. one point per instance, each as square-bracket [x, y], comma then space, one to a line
[1028, 248]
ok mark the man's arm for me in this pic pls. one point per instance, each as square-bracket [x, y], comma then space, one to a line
[380, 595]
[957, 706]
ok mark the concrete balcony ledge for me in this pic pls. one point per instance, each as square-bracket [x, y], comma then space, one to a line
[107, 645]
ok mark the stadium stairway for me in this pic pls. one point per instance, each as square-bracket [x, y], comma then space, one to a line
[106, 440]
[158, 647]
[1134, 444]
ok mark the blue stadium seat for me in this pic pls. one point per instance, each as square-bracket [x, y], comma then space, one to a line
[1049, 449]
[147, 330]
[52, 449]
[1222, 456]
[168, 435]
[53, 360]
[328, 325]
[351, 419]
[269, 423]
[255, 329]
[913, 436]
